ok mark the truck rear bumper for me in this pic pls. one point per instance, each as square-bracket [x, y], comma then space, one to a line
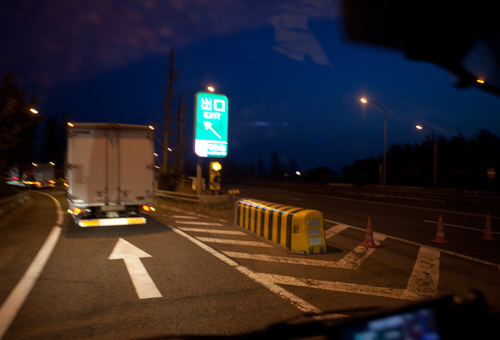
[102, 222]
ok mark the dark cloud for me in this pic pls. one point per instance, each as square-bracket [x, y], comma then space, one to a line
[60, 41]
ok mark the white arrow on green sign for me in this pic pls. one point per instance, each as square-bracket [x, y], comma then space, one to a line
[211, 124]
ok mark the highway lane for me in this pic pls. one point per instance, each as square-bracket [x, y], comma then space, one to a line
[413, 221]
[350, 276]
[213, 277]
[82, 293]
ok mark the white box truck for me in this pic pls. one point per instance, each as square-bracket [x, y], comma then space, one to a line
[110, 173]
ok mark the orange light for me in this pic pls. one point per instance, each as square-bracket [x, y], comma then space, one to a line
[146, 207]
[215, 166]
[77, 211]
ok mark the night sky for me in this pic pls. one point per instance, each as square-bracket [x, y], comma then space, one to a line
[292, 80]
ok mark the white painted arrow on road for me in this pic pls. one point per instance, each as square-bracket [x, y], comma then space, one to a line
[208, 126]
[131, 255]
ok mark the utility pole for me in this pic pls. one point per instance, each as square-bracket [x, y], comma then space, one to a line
[167, 109]
[180, 147]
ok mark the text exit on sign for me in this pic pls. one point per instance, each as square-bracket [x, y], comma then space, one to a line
[211, 124]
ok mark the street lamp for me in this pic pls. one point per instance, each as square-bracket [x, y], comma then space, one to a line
[384, 168]
[420, 127]
[34, 111]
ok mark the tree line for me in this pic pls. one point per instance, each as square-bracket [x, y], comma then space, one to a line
[462, 163]
[18, 126]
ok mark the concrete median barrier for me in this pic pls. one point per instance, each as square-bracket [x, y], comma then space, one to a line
[297, 229]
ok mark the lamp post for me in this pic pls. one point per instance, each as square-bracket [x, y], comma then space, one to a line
[420, 127]
[384, 168]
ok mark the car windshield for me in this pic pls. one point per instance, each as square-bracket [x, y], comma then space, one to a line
[218, 167]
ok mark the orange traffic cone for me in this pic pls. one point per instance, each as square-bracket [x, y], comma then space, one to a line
[440, 232]
[369, 235]
[488, 234]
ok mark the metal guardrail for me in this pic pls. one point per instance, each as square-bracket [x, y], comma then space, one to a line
[205, 199]
[449, 196]
[10, 203]
[177, 195]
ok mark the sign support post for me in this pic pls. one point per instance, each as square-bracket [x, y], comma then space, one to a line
[210, 128]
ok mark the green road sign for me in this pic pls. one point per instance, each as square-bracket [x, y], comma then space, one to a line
[210, 125]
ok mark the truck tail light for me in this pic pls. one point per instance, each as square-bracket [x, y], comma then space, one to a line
[146, 208]
[77, 211]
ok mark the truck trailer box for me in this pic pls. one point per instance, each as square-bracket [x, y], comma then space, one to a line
[110, 173]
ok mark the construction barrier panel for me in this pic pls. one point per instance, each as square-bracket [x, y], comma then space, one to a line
[297, 229]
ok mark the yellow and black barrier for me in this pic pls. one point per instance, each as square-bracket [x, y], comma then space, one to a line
[297, 229]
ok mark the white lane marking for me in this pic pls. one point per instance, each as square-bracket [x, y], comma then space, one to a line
[355, 258]
[302, 305]
[404, 206]
[352, 260]
[460, 226]
[344, 287]
[184, 216]
[424, 278]
[423, 245]
[330, 232]
[19, 294]
[239, 243]
[131, 255]
[423, 281]
[213, 231]
[280, 259]
[199, 223]
[290, 198]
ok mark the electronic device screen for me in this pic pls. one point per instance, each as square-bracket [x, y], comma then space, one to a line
[411, 325]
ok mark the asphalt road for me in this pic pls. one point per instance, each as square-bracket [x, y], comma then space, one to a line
[409, 220]
[185, 274]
